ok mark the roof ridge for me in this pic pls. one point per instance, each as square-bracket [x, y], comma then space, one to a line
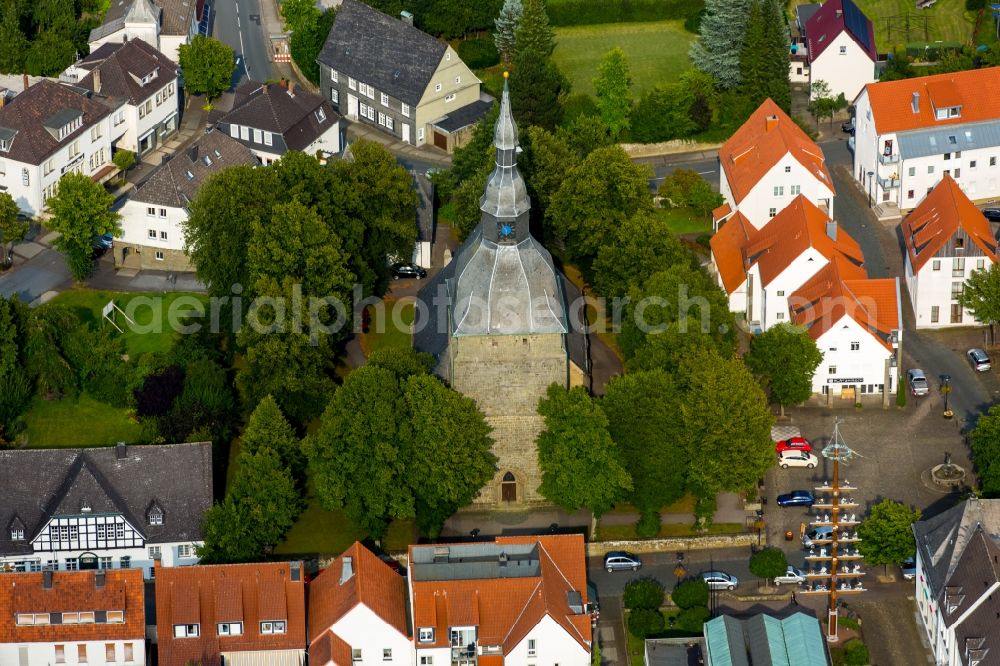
[527, 603]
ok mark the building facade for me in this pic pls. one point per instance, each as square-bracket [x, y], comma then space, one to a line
[382, 71]
[946, 240]
[911, 133]
[92, 617]
[163, 24]
[105, 508]
[840, 41]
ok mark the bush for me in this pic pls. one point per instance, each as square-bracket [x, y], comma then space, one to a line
[901, 392]
[975, 5]
[645, 622]
[589, 12]
[158, 391]
[479, 52]
[856, 653]
[691, 594]
[643, 593]
[576, 105]
[692, 620]
[305, 44]
[15, 395]
[648, 526]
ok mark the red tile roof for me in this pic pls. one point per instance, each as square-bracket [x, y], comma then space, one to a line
[841, 289]
[938, 218]
[761, 142]
[729, 250]
[372, 583]
[892, 101]
[831, 20]
[506, 609]
[72, 591]
[210, 594]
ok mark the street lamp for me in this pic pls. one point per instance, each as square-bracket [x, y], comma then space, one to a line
[945, 390]
[871, 177]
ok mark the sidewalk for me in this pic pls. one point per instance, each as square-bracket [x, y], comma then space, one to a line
[106, 278]
[422, 154]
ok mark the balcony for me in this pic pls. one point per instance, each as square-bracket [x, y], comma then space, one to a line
[888, 183]
[888, 159]
[464, 655]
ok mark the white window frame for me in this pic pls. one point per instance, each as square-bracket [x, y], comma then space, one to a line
[186, 630]
[437, 87]
[334, 76]
[405, 109]
[268, 139]
[158, 255]
[352, 83]
[230, 628]
[234, 131]
[244, 133]
[425, 635]
[258, 136]
[449, 98]
[384, 99]
[334, 95]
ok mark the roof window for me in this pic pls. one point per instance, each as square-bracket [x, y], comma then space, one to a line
[190, 176]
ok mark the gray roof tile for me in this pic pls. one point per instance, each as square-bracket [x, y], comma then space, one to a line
[122, 67]
[942, 539]
[272, 108]
[382, 51]
[175, 16]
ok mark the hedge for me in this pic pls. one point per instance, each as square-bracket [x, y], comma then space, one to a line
[644, 622]
[478, 52]
[589, 12]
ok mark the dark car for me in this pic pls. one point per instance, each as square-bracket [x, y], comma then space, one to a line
[104, 242]
[848, 127]
[796, 498]
[992, 214]
[405, 270]
[909, 568]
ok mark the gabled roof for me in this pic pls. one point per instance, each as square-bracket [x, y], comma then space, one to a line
[892, 101]
[840, 289]
[942, 213]
[72, 591]
[213, 594]
[505, 588]
[122, 67]
[41, 483]
[835, 17]
[729, 249]
[29, 113]
[176, 182]
[357, 577]
[382, 51]
[796, 640]
[761, 142]
[975, 572]
[941, 540]
[174, 16]
[292, 112]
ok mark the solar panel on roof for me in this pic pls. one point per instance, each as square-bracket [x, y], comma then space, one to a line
[857, 23]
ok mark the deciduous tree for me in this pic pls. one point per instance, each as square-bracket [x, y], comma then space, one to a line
[208, 66]
[12, 228]
[581, 465]
[886, 536]
[985, 442]
[641, 246]
[81, 210]
[768, 563]
[548, 158]
[785, 358]
[614, 100]
[981, 295]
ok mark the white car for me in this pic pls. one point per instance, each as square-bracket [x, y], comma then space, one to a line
[797, 459]
[792, 576]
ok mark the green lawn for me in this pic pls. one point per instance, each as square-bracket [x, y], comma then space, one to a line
[78, 422]
[636, 646]
[151, 312]
[656, 52]
[685, 221]
[331, 533]
[394, 331]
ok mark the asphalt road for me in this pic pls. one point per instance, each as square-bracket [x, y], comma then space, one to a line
[44, 272]
[238, 23]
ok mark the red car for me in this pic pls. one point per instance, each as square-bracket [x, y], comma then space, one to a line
[793, 444]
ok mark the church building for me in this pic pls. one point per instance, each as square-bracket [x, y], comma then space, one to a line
[504, 324]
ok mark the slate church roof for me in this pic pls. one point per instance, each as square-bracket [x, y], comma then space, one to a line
[39, 484]
[382, 51]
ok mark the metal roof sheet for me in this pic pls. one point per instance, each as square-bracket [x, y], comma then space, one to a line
[922, 143]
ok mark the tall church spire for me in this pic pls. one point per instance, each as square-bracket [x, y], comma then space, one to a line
[505, 202]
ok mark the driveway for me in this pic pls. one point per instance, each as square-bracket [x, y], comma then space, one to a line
[46, 271]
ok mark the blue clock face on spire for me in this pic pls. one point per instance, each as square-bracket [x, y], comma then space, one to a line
[506, 230]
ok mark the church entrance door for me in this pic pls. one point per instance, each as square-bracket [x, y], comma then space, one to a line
[508, 488]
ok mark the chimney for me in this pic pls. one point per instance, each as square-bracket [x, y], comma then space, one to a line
[47, 579]
[772, 122]
[503, 559]
[840, 13]
[121, 451]
[291, 88]
[99, 579]
[915, 102]
[831, 229]
[97, 79]
[346, 570]
[406, 17]
[26, 84]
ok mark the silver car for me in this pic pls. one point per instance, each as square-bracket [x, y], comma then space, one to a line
[917, 380]
[909, 568]
[979, 359]
[620, 560]
[792, 576]
[720, 580]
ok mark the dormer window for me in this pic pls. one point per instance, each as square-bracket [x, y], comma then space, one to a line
[231, 629]
[207, 160]
[16, 534]
[154, 515]
[272, 627]
[425, 635]
[149, 77]
[186, 630]
[190, 176]
[948, 112]
[320, 115]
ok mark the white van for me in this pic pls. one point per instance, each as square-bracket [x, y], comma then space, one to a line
[822, 532]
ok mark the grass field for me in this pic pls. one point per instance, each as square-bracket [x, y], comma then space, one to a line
[685, 221]
[393, 332]
[82, 421]
[151, 312]
[657, 52]
[331, 533]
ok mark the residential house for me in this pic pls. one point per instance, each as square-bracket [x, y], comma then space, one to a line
[957, 581]
[104, 508]
[384, 72]
[799, 57]
[163, 24]
[840, 43]
[272, 118]
[233, 614]
[947, 239]
[515, 600]
[153, 217]
[144, 79]
[856, 323]
[911, 133]
[52, 129]
[72, 617]
[768, 162]
[358, 613]
[763, 639]
[761, 268]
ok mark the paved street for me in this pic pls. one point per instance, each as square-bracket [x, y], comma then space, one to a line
[238, 23]
[46, 271]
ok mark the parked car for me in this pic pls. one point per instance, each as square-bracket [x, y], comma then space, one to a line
[979, 359]
[909, 568]
[793, 444]
[797, 459]
[593, 603]
[917, 380]
[406, 270]
[620, 560]
[816, 534]
[720, 580]
[796, 498]
[848, 127]
[792, 576]
[992, 214]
